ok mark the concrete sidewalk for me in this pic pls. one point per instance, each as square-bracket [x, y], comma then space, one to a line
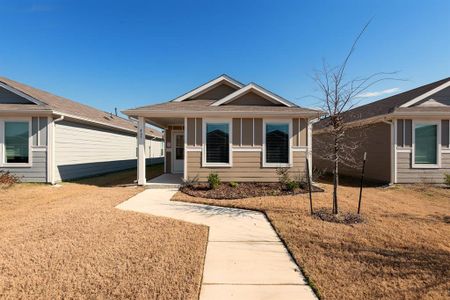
[245, 259]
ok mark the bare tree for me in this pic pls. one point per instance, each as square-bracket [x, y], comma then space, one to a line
[337, 95]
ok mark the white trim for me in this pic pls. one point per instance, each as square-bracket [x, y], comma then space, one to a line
[298, 149]
[290, 152]
[185, 145]
[194, 149]
[51, 168]
[255, 88]
[427, 94]
[141, 161]
[230, 141]
[438, 146]
[174, 147]
[309, 146]
[3, 162]
[404, 150]
[39, 148]
[446, 151]
[247, 149]
[209, 85]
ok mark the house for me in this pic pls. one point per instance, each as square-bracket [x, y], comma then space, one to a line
[406, 136]
[241, 132]
[47, 138]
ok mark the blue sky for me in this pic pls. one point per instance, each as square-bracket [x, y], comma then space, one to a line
[130, 53]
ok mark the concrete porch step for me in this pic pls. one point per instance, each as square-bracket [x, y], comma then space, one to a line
[162, 186]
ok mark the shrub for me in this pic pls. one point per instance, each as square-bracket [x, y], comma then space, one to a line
[190, 182]
[292, 185]
[234, 184]
[7, 179]
[283, 175]
[213, 180]
[447, 179]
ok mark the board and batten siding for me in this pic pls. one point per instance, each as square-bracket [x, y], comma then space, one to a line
[83, 150]
[404, 169]
[247, 155]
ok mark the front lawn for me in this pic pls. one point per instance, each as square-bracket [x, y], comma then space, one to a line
[402, 250]
[70, 242]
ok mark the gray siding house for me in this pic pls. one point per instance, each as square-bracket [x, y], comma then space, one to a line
[47, 138]
[406, 136]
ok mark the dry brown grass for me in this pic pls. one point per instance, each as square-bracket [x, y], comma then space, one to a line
[402, 251]
[70, 242]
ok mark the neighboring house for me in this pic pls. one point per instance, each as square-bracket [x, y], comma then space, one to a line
[47, 138]
[406, 136]
[241, 132]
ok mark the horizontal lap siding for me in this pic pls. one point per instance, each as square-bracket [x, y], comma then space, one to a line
[36, 173]
[83, 150]
[406, 174]
[247, 166]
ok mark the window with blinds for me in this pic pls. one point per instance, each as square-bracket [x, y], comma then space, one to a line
[217, 143]
[277, 143]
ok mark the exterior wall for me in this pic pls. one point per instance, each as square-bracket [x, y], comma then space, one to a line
[247, 166]
[252, 98]
[216, 93]
[37, 172]
[83, 150]
[375, 139]
[405, 172]
[247, 155]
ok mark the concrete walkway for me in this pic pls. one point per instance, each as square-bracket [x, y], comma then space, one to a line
[245, 259]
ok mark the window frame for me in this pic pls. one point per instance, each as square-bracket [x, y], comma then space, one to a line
[228, 121]
[3, 162]
[438, 146]
[265, 164]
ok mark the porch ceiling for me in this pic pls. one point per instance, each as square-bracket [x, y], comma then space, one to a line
[164, 122]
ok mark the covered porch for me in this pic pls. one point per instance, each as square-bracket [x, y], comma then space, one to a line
[174, 150]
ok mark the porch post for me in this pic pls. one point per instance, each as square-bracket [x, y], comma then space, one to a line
[141, 151]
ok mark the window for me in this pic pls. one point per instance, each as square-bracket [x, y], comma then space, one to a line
[276, 144]
[179, 146]
[16, 141]
[426, 141]
[217, 144]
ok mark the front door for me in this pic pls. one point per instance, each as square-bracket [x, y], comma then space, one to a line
[178, 157]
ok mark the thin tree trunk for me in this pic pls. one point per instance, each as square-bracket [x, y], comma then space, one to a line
[335, 179]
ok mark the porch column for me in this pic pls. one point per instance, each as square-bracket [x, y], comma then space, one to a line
[141, 151]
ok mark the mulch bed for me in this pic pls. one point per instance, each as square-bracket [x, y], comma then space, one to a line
[243, 190]
[341, 218]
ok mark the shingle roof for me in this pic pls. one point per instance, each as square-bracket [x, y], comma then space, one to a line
[196, 106]
[386, 105]
[66, 106]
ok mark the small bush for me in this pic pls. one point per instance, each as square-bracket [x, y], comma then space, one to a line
[234, 184]
[190, 182]
[283, 175]
[213, 181]
[447, 179]
[292, 185]
[7, 179]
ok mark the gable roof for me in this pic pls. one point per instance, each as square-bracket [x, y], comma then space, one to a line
[390, 104]
[208, 86]
[62, 106]
[253, 87]
[216, 107]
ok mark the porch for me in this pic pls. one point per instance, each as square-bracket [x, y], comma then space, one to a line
[165, 181]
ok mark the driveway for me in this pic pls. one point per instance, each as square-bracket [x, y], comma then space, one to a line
[245, 259]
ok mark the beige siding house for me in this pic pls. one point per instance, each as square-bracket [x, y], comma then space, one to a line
[241, 132]
[406, 136]
[47, 138]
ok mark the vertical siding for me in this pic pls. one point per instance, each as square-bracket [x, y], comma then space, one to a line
[236, 132]
[199, 135]
[191, 131]
[408, 133]
[247, 132]
[400, 138]
[303, 132]
[445, 128]
[258, 132]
